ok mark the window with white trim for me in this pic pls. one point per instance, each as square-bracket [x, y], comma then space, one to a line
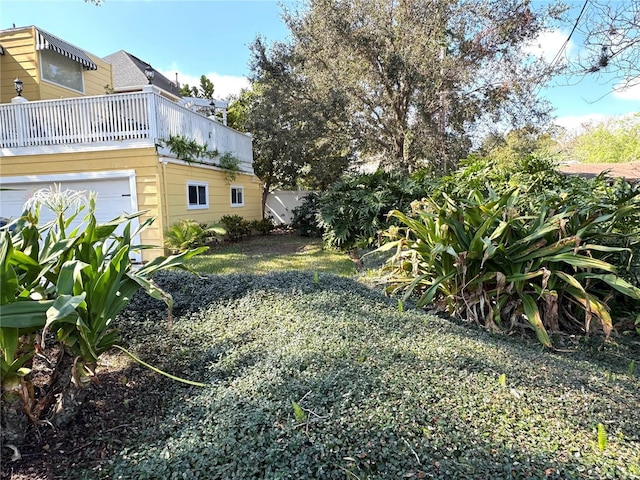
[197, 195]
[237, 196]
[62, 71]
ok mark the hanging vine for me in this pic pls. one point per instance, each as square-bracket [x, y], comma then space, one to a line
[190, 151]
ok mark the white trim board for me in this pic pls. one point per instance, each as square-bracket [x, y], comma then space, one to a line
[77, 148]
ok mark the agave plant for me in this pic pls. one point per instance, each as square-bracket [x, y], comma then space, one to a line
[481, 258]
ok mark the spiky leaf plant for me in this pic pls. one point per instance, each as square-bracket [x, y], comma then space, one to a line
[483, 259]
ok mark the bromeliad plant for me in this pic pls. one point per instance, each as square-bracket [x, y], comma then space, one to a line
[68, 280]
[483, 259]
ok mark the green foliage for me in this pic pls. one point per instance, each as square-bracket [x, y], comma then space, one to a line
[235, 227]
[412, 78]
[353, 211]
[262, 227]
[305, 216]
[231, 165]
[205, 90]
[616, 141]
[187, 234]
[489, 260]
[519, 144]
[602, 438]
[296, 139]
[386, 394]
[70, 280]
[299, 413]
[187, 149]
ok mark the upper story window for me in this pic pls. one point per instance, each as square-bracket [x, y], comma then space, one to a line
[197, 195]
[63, 71]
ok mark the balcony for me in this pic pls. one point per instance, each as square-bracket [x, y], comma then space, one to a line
[140, 117]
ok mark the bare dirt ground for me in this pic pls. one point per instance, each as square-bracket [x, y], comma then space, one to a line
[94, 435]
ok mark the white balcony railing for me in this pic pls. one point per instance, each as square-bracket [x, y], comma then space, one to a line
[118, 117]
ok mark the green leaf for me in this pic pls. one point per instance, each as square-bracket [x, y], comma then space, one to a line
[533, 315]
[617, 283]
[582, 261]
[28, 314]
[602, 437]
[161, 372]
[298, 412]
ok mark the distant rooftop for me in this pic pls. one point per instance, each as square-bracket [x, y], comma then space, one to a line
[629, 170]
[128, 73]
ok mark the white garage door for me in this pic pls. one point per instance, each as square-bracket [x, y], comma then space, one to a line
[114, 195]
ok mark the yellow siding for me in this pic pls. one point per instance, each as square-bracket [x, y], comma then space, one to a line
[143, 160]
[18, 61]
[151, 178]
[95, 82]
[22, 60]
[176, 178]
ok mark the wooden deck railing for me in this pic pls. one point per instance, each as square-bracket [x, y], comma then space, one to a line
[118, 117]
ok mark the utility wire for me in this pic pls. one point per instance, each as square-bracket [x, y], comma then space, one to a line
[558, 55]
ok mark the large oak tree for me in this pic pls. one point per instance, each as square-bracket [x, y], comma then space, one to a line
[298, 136]
[416, 75]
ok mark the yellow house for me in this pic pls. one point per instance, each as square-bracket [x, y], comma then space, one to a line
[59, 125]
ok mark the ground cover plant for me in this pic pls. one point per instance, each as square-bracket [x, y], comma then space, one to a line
[314, 375]
[320, 377]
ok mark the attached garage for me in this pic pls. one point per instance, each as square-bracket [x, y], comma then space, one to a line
[115, 190]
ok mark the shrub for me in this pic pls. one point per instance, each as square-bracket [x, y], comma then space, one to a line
[305, 217]
[188, 234]
[235, 226]
[262, 227]
[353, 211]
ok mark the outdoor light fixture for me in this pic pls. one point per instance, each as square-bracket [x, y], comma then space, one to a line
[149, 73]
[17, 84]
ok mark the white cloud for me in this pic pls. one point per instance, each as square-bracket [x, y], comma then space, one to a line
[627, 93]
[548, 43]
[224, 85]
[576, 123]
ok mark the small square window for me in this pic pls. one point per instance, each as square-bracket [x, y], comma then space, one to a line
[197, 195]
[237, 196]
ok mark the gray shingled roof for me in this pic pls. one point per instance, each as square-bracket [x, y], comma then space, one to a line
[128, 73]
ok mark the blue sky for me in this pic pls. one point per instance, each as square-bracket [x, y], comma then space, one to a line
[211, 37]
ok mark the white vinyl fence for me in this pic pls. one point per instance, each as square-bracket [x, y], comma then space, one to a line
[280, 205]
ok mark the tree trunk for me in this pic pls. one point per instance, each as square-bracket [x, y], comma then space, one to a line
[265, 194]
[71, 390]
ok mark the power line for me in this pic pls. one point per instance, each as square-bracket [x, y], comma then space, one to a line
[558, 55]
